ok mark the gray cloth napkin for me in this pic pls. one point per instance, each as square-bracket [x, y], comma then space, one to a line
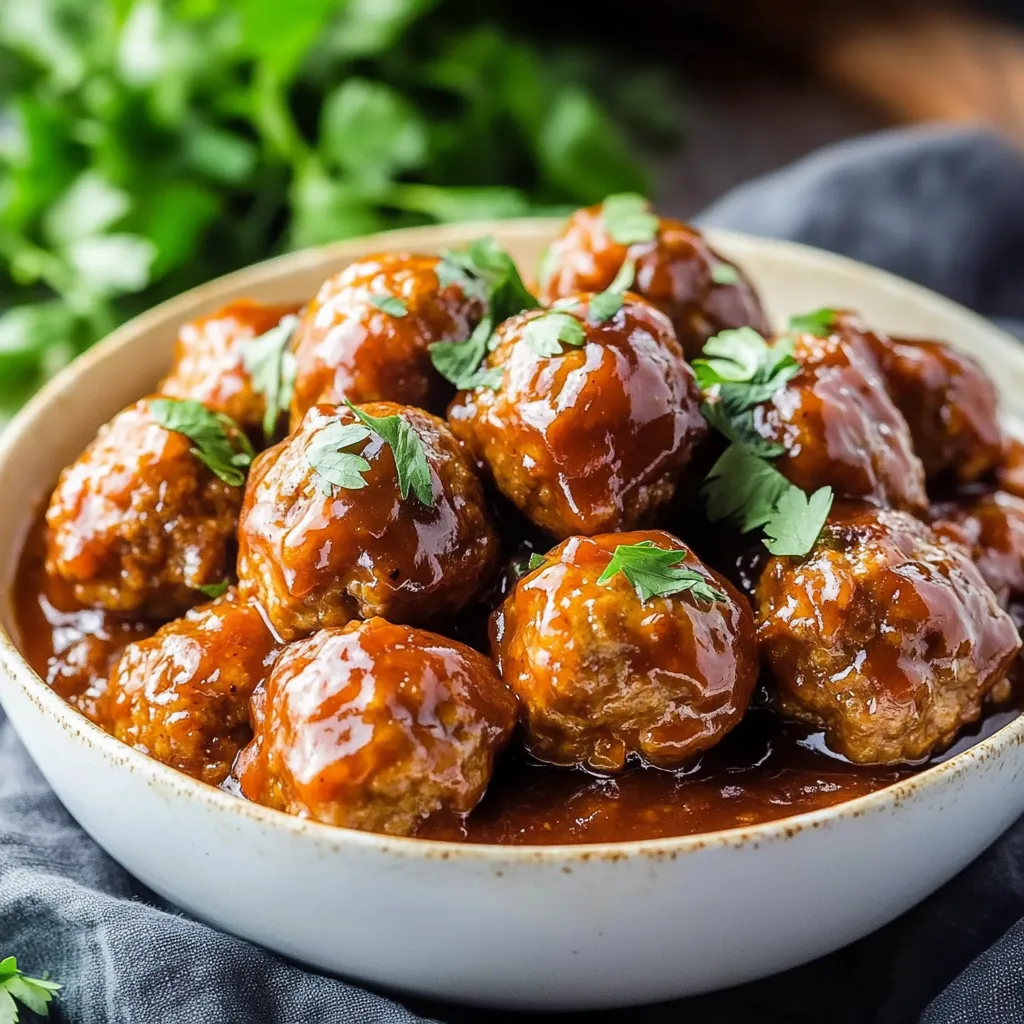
[941, 206]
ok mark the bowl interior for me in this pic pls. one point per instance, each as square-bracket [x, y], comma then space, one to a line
[54, 428]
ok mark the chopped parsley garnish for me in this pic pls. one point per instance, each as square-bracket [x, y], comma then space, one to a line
[328, 457]
[407, 448]
[819, 322]
[271, 367]
[741, 370]
[547, 333]
[725, 273]
[536, 561]
[483, 270]
[33, 993]
[656, 572]
[389, 304]
[214, 590]
[606, 304]
[217, 440]
[628, 218]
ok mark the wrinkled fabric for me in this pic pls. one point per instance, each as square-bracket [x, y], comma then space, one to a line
[941, 206]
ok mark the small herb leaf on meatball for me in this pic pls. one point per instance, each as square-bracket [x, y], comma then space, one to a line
[410, 457]
[271, 366]
[218, 442]
[334, 466]
[604, 305]
[548, 332]
[628, 218]
[655, 572]
[818, 322]
[390, 304]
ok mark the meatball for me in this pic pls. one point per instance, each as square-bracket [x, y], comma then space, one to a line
[992, 525]
[678, 271]
[182, 696]
[348, 346]
[376, 727]
[948, 402]
[590, 438]
[603, 676]
[209, 360]
[317, 555]
[138, 523]
[1010, 471]
[885, 635]
[839, 427]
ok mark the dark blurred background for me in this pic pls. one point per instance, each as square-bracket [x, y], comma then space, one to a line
[147, 145]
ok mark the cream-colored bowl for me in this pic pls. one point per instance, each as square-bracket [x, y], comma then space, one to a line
[563, 927]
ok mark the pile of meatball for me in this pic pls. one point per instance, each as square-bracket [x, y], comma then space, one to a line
[327, 680]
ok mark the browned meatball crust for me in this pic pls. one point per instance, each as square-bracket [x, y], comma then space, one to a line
[318, 557]
[992, 525]
[603, 677]
[1010, 471]
[348, 347]
[376, 727]
[182, 696]
[948, 402]
[885, 635]
[209, 360]
[594, 437]
[839, 427]
[676, 272]
[137, 522]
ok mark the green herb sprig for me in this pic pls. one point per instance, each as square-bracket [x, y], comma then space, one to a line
[725, 273]
[818, 322]
[214, 590]
[217, 440]
[485, 271]
[390, 304]
[547, 333]
[628, 218]
[739, 371]
[606, 304]
[17, 987]
[656, 572]
[271, 366]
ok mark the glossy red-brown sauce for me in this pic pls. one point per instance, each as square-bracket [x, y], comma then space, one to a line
[764, 770]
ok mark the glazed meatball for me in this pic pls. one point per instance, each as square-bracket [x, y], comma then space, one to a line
[347, 346]
[677, 271]
[182, 696]
[594, 436]
[209, 360]
[839, 427]
[885, 635]
[318, 555]
[992, 525]
[603, 676]
[1010, 471]
[138, 523]
[376, 727]
[948, 402]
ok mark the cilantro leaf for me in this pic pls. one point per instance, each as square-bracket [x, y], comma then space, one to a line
[327, 457]
[749, 492]
[730, 416]
[743, 489]
[217, 440]
[214, 590]
[656, 572]
[547, 333]
[34, 993]
[271, 367]
[389, 304]
[606, 304]
[410, 455]
[819, 322]
[536, 561]
[486, 271]
[797, 520]
[628, 218]
[725, 273]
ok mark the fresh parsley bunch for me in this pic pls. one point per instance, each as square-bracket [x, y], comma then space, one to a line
[147, 145]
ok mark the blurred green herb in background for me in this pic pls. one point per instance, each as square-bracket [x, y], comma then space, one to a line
[146, 146]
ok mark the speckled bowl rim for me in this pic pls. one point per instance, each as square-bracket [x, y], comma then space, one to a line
[177, 785]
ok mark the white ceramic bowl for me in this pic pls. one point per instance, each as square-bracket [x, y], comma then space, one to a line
[564, 927]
